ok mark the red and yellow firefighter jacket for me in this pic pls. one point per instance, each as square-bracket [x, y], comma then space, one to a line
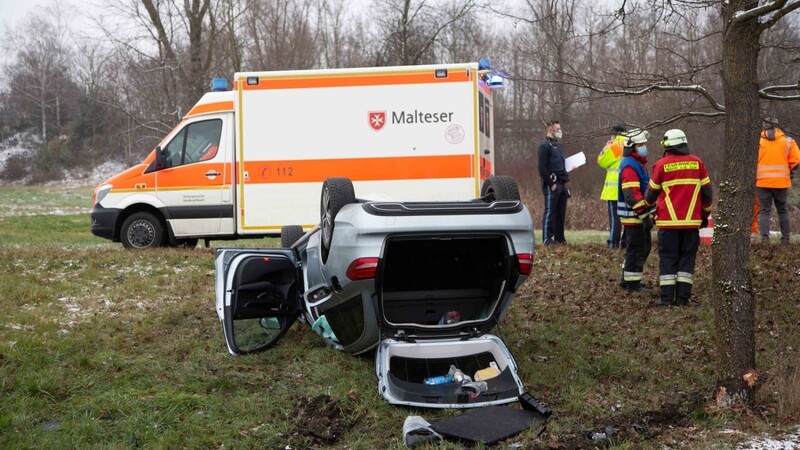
[682, 188]
[776, 158]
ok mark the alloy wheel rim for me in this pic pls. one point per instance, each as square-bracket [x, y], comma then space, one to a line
[326, 217]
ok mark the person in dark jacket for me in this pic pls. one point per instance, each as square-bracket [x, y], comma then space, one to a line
[554, 185]
[634, 214]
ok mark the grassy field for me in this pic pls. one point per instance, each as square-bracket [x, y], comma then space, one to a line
[105, 348]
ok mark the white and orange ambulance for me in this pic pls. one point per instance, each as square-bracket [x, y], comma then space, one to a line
[245, 162]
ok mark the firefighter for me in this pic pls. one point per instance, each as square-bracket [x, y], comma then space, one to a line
[632, 210]
[609, 159]
[778, 158]
[681, 190]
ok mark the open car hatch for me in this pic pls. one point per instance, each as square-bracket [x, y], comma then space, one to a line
[439, 295]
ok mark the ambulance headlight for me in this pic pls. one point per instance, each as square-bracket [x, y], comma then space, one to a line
[100, 193]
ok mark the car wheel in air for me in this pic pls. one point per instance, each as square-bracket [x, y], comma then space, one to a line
[500, 187]
[290, 234]
[141, 230]
[336, 192]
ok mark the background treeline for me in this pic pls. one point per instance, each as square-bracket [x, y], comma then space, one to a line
[81, 90]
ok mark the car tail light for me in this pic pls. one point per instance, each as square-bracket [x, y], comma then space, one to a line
[525, 261]
[362, 269]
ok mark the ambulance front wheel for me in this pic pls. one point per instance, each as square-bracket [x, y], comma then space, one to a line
[141, 230]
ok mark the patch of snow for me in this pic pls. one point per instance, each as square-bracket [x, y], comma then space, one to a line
[8, 152]
[92, 177]
[789, 442]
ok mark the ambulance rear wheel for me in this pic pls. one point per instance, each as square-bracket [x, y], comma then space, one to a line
[290, 234]
[500, 187]
[336, 192]
[142, 230]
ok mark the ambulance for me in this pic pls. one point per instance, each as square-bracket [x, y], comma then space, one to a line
[245, 162]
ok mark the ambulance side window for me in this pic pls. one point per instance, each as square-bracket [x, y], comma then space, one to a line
[196, 142]
[174, 150]
[487, 118]
[480, 112]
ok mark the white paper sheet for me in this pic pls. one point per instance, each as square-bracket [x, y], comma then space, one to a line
[575, 161]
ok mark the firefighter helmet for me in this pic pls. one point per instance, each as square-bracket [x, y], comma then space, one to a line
[674, 138]
[636, 136]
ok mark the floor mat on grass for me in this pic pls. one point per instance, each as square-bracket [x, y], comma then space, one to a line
[488, 425]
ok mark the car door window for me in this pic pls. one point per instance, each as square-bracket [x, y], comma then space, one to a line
[198, 141]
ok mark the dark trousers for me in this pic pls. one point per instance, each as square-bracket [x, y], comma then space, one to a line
[677, 251]
[614, 226]
[555, 214]
[637, 250]
[765, 198]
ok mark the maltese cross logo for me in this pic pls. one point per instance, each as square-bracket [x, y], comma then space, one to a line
[377, 119]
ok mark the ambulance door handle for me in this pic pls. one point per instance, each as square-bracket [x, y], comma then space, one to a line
[212, 173]
[486, 152]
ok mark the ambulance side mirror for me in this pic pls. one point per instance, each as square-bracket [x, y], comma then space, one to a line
[161, 158]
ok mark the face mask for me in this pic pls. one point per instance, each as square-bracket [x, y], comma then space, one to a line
[558, 134]
[642, 151]
[770, 134]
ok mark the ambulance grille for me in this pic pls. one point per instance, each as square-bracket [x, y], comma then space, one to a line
[415, 370]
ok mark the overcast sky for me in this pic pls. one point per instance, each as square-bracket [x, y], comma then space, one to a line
[11, 11]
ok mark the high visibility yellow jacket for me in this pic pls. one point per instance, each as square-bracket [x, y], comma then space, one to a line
[609, 159]
[776, 158]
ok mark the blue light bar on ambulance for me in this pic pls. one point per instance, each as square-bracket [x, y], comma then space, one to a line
[496, 80]
[219, 85]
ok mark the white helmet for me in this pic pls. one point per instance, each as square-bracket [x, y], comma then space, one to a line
[636, 136]
[674, 138]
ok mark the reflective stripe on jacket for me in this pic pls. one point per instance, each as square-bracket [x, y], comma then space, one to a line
[681, 185]
[609, 159]
[632, 186]
[776, 158]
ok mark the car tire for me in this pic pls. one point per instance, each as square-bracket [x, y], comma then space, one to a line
[500, 187]
[142, 230]
[290, 234]
[336, 192]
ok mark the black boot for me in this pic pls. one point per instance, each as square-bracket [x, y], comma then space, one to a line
[667, 296]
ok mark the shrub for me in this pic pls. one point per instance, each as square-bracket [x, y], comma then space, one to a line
[17, 167]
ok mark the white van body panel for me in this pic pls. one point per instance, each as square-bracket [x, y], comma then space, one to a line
[400, 133]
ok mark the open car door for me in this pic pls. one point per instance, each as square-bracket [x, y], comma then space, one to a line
[257, 296]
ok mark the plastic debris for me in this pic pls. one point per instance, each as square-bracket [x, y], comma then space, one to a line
[417, 430]
[450, 317]
[487, 373]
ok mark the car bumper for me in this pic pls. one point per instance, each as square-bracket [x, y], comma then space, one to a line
[104, 222]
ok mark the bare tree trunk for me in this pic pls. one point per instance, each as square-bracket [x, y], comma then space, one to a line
[733, 298]
[43, 107]
[58, 116]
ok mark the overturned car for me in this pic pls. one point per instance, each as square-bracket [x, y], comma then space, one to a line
[424, 282]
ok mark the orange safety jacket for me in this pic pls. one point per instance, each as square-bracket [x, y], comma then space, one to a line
[681, 185]
[776, 158]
